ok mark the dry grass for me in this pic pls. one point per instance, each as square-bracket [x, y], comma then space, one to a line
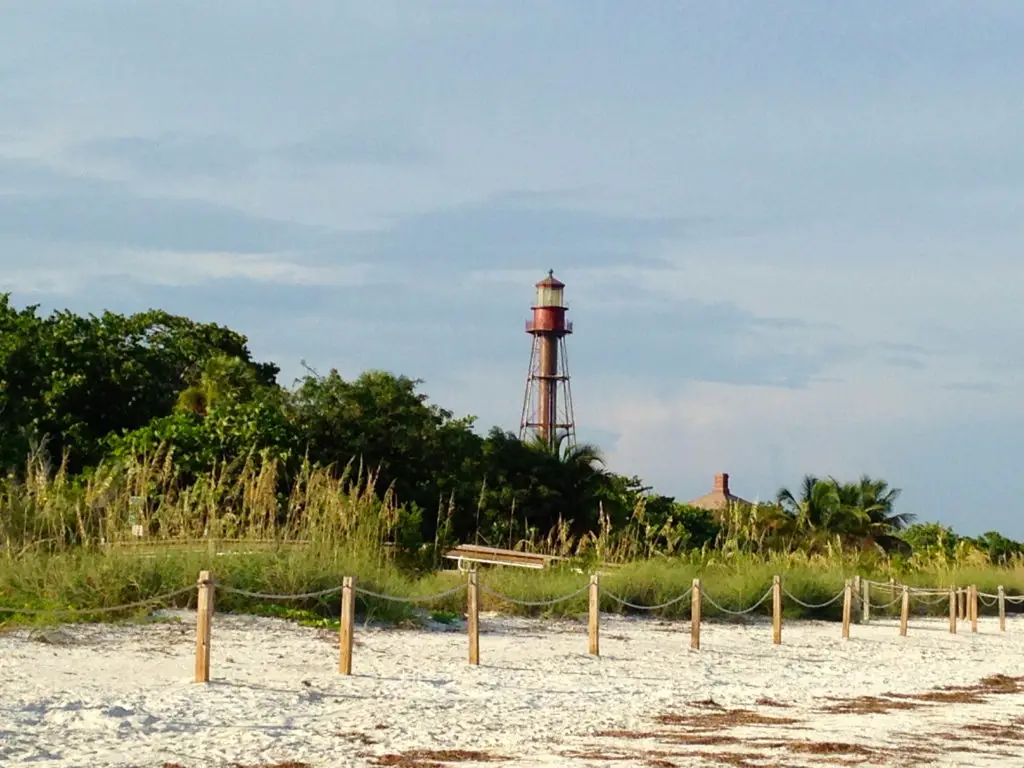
[437, 758]
[994, 685]
[595, 754]
[735, 759]
[764, 701]
[806, 747]
[867, 705]
[1000, 684]
[672, 737]
[724, 718]
[356, 737]
[709, 723]
[941, 697]
[997, 733]
[708, 703]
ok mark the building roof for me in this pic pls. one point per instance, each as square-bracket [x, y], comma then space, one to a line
[551, 281]
[720, 497]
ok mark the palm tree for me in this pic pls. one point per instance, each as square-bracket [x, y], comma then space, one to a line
[220, 378]
[818, 510]
[575, 480]
[872, 501]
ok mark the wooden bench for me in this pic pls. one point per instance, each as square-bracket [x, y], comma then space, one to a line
[473, 553]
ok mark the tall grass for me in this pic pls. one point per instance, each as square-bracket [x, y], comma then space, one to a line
[69, 542]
[72, 541]
[51, 511]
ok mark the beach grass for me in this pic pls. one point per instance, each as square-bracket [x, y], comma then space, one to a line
[98, 579]
[73, 544]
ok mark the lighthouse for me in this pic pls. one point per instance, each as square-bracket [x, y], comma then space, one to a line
[547, 404]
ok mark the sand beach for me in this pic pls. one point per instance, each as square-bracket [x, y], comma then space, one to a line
[123, 695]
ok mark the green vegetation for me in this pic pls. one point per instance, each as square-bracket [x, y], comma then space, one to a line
[136, 451]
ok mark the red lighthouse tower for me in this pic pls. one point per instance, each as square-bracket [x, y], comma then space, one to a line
[547, 405]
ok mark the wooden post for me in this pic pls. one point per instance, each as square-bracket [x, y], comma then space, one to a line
[777, 610]
[1002, 609]
[952, 610]
[204, 605]
[855, 607]
[865, 602]
[695, 615]
[345, 631]
[473, 618]
[593, 626]
[962, 609]
[905, 611]
[974, 607]
[847, 608]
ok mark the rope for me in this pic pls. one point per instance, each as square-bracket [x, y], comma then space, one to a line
[531, 603]
[987, 603]
[942, 591]
[897, 586]
[936, 601]
[271, 596]
[887, 605]
[745, 611]
[798, 601]
[423, 599]
[628, 604]
[885, 584]
[109, 609]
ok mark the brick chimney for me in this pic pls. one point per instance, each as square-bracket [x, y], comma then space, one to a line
[722, 483]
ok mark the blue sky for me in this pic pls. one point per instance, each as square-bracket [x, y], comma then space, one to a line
[790, 232]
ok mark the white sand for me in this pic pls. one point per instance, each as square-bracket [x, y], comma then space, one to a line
[123, 695]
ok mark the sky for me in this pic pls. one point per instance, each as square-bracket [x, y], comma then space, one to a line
[790, 232]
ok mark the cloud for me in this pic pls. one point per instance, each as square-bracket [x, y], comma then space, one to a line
[779, 259]
[169, 155]
[121, 220]
[982, 387]
[41, 202]
[224, 157]
[171, 269]
[767, 437]
[369, 145]
[45, 202]
[505, 230]
[905, 362]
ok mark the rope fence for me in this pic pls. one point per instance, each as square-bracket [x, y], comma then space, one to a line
[963, 606]
[149, 601]
[420, 599]
[658, 607]
[535, 603]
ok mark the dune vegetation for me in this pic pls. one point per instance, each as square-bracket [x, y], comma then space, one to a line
[136, 451]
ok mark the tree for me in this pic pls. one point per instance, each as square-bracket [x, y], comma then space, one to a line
[860, 513]
[871, 502]
[72, 380]
[999, 549]
[577, 479]
[21, 375]
[421, 450]
[818, 510]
